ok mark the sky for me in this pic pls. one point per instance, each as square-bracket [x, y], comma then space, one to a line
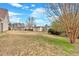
[20, 12]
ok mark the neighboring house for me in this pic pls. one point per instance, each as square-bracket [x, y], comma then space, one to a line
[41, 28]
[17, 26]
[4, 19]
[21, 26]
[28, 28]
[38, 28]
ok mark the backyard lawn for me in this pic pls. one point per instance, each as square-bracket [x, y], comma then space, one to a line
[25, 43]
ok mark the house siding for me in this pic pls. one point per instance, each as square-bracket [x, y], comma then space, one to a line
[4, 20]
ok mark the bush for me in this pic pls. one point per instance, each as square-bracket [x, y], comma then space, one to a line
[28, 29]
[51, 31]
[9, 28]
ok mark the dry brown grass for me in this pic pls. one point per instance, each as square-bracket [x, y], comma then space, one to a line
[23, 43]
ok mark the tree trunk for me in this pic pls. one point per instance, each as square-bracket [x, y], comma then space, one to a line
[72, 41]
[72, 38]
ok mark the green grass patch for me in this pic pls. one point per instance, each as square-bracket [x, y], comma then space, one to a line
[59, 42]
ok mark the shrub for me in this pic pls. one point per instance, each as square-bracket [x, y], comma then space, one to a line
[51, 31]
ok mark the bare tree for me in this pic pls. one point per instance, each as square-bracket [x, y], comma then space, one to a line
[68, 17]
[30, 23]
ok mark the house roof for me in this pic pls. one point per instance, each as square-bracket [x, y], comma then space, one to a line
[40, 26]
[3, 13]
